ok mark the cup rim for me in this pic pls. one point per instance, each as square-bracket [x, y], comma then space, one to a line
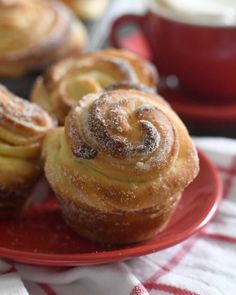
[158, 10]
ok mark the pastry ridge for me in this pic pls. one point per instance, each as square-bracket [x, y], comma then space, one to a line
[32, 34]
[59, 89]
[23, 126]
[120, 165]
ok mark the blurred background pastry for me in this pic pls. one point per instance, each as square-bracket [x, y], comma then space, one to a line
[120, 165]
[33, 35]
[23, 126]
[88, 10]
[59, 89]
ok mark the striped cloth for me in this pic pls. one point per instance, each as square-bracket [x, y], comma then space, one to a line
[204, 264]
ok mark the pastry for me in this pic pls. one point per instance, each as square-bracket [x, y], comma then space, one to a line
[128, 85]
[23, 126]
[88, 10]
[65, 83]
[35, 33]
[120, 165]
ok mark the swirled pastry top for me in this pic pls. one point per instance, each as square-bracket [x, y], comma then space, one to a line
[69, 80]
[121, 150]
[23, 126]
[33, 33]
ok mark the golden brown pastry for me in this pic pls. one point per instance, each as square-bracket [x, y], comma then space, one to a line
[23, 126]
[59, 89]
[120, 165]
[35, 33]
[128, 85]
[88, 10]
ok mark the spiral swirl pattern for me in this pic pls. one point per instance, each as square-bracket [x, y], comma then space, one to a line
[121, 153]
[66, 82]
[32, 34]
[126, 129]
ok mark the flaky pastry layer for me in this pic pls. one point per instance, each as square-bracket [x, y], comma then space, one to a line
[65, 83]
[123, 159]
[23, 126]
[36, 33]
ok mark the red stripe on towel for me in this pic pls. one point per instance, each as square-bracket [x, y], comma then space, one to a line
[171, 289]
[173, 262]
[47, 289]
[231, 172]
[219, 237]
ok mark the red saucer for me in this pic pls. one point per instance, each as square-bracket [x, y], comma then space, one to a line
[41, 237]
[194, 110]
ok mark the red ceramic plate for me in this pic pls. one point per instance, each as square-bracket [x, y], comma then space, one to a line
[41, 237]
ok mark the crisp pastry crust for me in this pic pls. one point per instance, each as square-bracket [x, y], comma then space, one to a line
[36, 33]
[59, 89]
[23, 125]
[88, 10]
[119, 165]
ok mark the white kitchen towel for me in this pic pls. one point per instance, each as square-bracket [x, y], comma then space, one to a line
[11, 284]
[204, 264]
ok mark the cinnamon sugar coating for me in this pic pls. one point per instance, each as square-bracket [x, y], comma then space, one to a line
[120, 165]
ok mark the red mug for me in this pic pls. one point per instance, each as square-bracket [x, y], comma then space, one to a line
[202, 56]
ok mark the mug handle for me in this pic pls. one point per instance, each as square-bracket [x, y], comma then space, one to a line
[139, 21]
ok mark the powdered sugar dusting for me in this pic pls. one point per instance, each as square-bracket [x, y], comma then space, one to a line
[29, 119]
[108, 121]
